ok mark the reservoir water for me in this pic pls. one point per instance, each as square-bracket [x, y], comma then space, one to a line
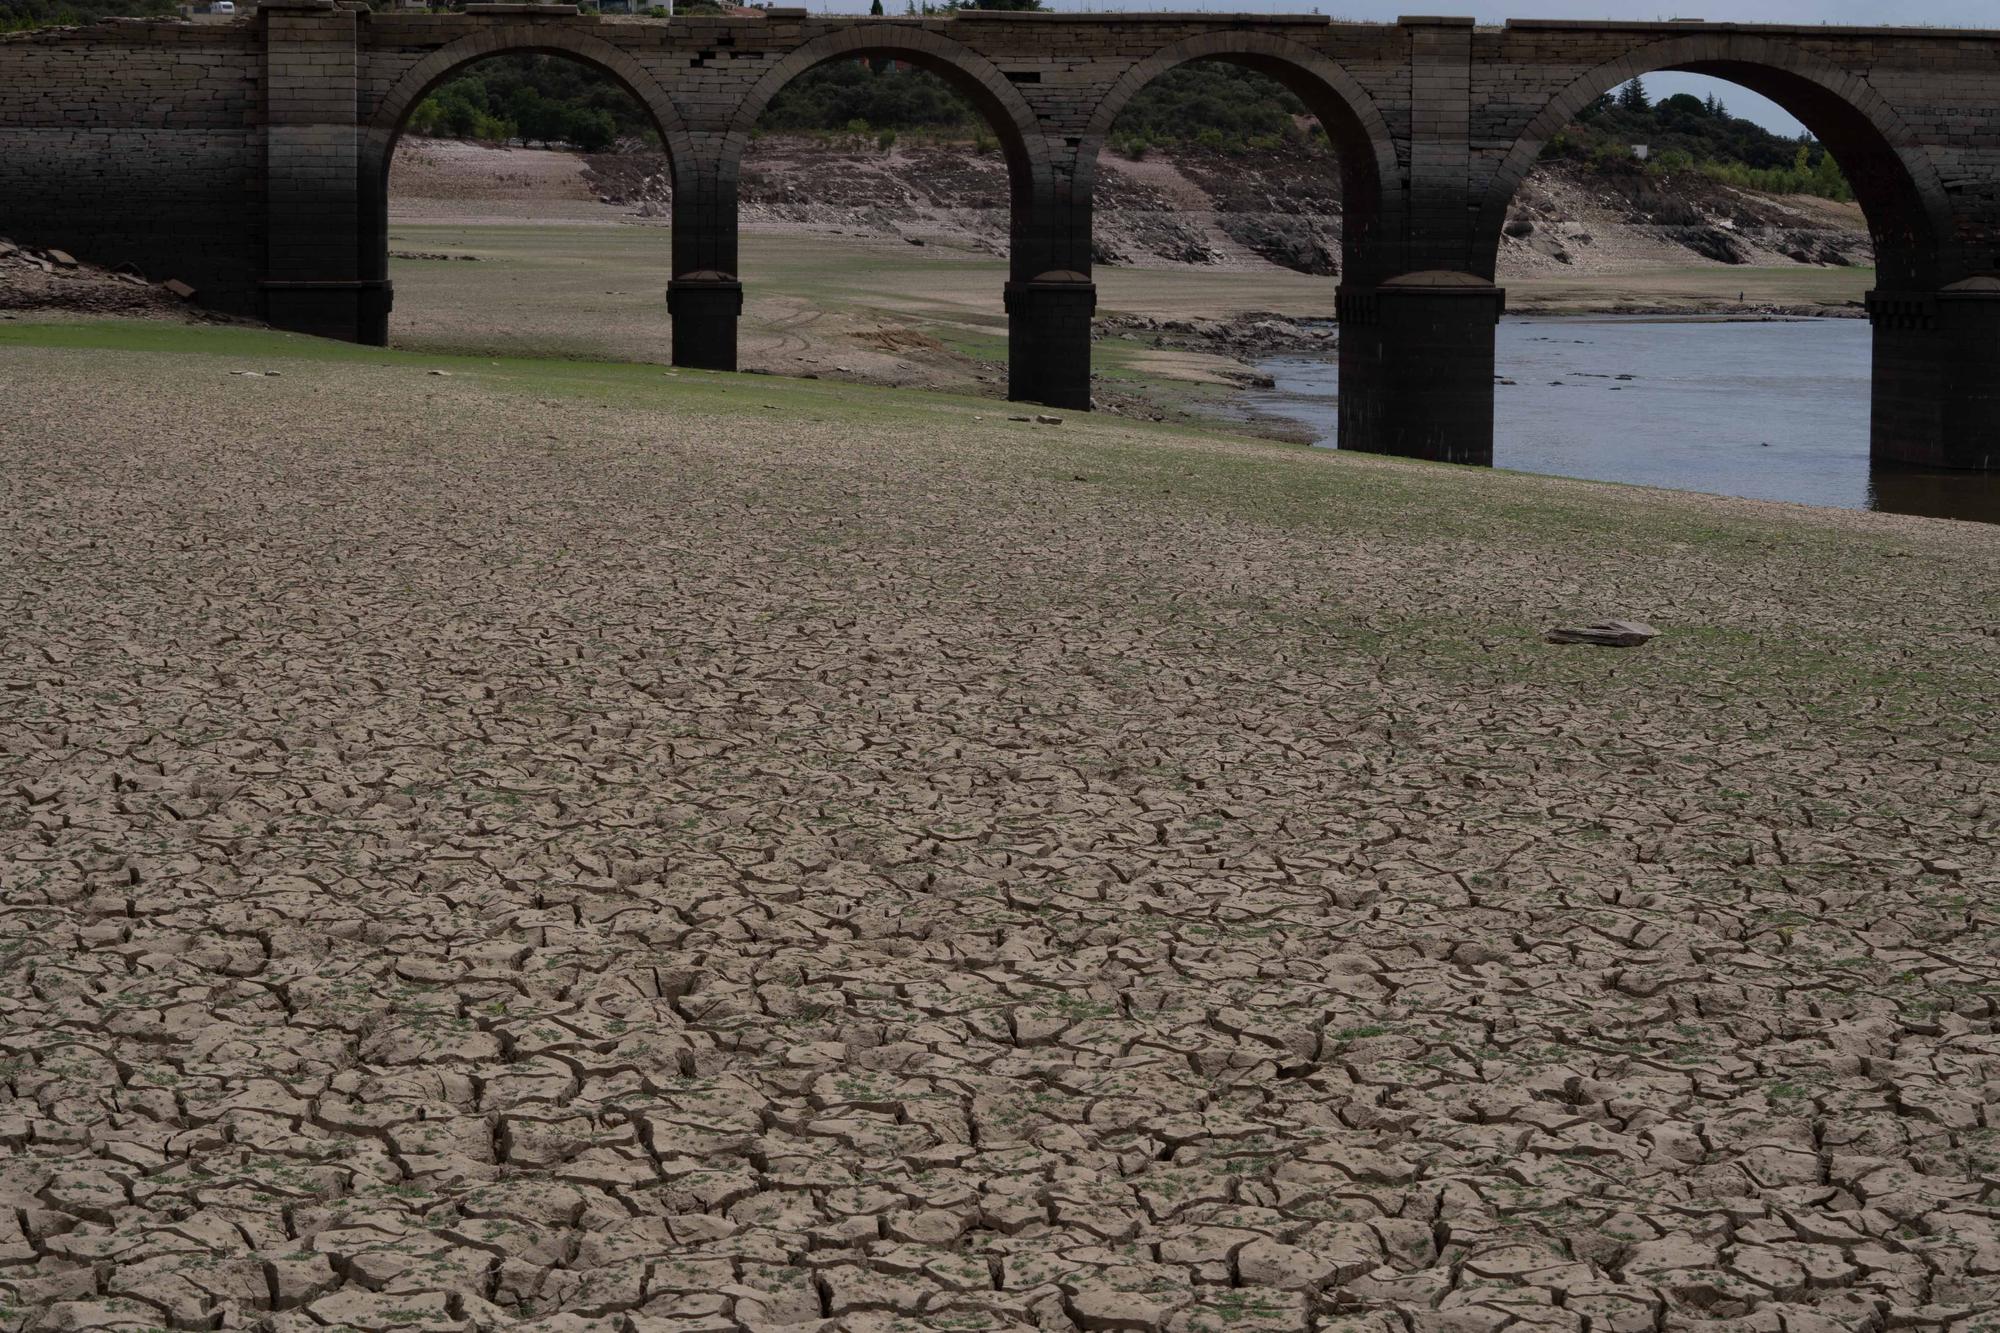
[1773, 410]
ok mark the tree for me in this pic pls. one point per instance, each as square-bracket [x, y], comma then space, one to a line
[1213, 104]
[1715, 108]
[591, 130]
[875, 9]
[1632, 97]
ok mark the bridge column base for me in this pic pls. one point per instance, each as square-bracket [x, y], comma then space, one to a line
[1936, 401]
[705, 307]
[352, 311]
[1416, 367]
[1048, 340]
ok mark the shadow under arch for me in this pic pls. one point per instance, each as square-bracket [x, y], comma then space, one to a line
[1935, 335]
[1030, 175]
[384, 127]
[1371, 172]
[1894, 179]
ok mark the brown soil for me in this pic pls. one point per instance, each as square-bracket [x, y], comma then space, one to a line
[444, 180]
[649, 853]
[1568, 221]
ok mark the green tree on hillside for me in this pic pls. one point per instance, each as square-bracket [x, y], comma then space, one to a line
[872, 95]
[1689, 133]
[1212, 104]
[537, 99]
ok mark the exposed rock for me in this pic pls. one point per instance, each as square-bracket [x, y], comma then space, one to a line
[1208, 208]
[1604, 634]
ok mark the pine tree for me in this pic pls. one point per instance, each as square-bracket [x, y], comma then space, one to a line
[1632, 97]
[875, 9]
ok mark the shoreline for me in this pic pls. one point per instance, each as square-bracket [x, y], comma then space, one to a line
[1241, 342]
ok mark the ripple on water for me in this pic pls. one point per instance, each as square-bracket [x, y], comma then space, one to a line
[1768, 410]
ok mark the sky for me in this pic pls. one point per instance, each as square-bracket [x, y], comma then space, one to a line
[1741, 101]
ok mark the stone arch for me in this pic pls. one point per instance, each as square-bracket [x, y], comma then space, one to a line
[1370, 169]
[1893, 176]
[1030, 173]
[384, 127]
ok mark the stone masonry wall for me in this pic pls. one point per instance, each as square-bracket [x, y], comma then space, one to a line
[131, 142]
[1932, 95]
[210, 153]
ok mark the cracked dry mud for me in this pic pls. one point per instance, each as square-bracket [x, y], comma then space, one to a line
[480, 859]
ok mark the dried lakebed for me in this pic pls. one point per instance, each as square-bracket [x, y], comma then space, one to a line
[562, 846]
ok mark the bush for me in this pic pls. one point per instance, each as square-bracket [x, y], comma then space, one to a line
[1605, 156]
[886, 140]
[593, 131]
[1674, 159]
[1687, 133]
[890, 96]
[540, 99]
[1217, 105]
[1822, 178]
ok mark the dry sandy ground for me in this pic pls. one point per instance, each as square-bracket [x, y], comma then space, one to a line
[555, 278]
[577, 849]
[445, 180]
[877, 311]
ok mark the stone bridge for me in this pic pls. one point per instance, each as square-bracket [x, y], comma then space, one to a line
[251, 159]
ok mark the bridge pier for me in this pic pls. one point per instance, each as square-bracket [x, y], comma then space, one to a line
[704, 306]
[251, 160]
[1048, 339]
[1936, 397]
[355, 311]
[1416, 366]
[312, 280]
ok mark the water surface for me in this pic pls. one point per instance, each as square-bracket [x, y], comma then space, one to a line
[1774, 410]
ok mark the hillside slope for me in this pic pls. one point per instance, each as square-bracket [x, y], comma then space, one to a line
[1202, 208]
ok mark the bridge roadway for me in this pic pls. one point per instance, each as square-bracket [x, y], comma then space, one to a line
[251, 159]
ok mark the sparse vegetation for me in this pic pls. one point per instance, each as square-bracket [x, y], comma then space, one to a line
[1213, 105]
[864, 96]
[534, 99]
[1685, 133]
